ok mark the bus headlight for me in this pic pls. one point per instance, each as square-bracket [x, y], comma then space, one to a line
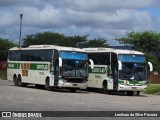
[64, 80]
[84, 81]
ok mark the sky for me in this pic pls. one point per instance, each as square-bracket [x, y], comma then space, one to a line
[107, 19]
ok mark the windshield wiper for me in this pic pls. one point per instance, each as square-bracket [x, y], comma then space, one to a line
[66, 74]
[139, 77]
[80, 72]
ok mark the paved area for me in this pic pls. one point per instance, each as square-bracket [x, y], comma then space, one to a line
[13, 98]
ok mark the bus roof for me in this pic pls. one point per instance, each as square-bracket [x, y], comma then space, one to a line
[117, 51]
[59, 48]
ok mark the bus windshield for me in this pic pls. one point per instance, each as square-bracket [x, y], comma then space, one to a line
[74, 64]
[133, 67]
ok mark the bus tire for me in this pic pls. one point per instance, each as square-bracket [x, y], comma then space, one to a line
[39, 86]
[105, 87]
[15, 80]
[72, 90]
[138, 93]
[19, 80]
[130, 93]
[47, 86]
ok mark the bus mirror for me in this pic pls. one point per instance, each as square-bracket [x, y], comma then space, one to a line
[92, 63]
[60, 62]
[119, 65]
[150, 66]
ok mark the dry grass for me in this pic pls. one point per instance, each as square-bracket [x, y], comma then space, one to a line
[3, 74]
[153, 89]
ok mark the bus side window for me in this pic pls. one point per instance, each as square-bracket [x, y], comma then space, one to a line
[14, 55]
[10, 55]
[114, 63]
[100, 58]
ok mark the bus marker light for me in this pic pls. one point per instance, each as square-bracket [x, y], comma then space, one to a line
[134, 88]
[74, 84]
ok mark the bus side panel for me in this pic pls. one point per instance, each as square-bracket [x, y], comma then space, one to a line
[97, 76]
[34, 72]
[12, 69]
[11, 73]
[31, 72]
[110, 83]
[34, 76]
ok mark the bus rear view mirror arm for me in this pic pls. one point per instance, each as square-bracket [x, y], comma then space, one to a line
[150, 66]
[60, 62]
[119, 65]
[92, 63]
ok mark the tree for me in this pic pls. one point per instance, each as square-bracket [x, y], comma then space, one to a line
[100, 42]
[147, 42]
[43, 38]
[62, 40]
[5, 45]
[75, 41]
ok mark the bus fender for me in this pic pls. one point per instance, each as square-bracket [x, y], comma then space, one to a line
[19, 74]
[109, 81]
[51, 80]
[16, 75]
[104, 81]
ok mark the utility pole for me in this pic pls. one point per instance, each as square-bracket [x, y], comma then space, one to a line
[21, 16]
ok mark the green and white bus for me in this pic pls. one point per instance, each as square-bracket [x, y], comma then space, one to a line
[118, 70]
[50, 66]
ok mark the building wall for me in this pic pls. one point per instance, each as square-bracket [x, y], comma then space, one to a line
[154, 78]
[3, 65]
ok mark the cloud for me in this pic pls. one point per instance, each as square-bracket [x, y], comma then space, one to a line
[101, 5]
[97, 18]
[8, 3]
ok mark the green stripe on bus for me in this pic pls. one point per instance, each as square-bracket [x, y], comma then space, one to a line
[33, 66]
[14, 65]
[25, 66]
[98, 70]
[133, 82]
[26, 72]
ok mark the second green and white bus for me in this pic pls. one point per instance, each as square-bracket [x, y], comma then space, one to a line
[50, 66]
[118, 70]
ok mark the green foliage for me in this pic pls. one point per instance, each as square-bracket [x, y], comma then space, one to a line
[5, 45]
[153, 89]
[155, 60]
[74, 41]
[43, 38]
[62, 40]
[147, 42]
[100, 42]
[3, 74]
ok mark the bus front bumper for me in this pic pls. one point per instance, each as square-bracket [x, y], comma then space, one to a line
[132, 88]
[72, 85]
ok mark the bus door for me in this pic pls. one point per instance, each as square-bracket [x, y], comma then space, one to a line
[56, 67]
[114, 67]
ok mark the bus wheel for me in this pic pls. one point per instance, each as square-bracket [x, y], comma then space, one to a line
[105, 88]
[15, 80]
[39, 86]
[130, 93]
[19, 81]
[72, 90]
[47, 86]
[138, 93]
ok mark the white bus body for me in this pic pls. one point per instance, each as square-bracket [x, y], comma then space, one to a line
[49, 65]
[118, 70]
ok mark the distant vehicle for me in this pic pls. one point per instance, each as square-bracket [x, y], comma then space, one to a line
[48, 65]
[118, 70]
